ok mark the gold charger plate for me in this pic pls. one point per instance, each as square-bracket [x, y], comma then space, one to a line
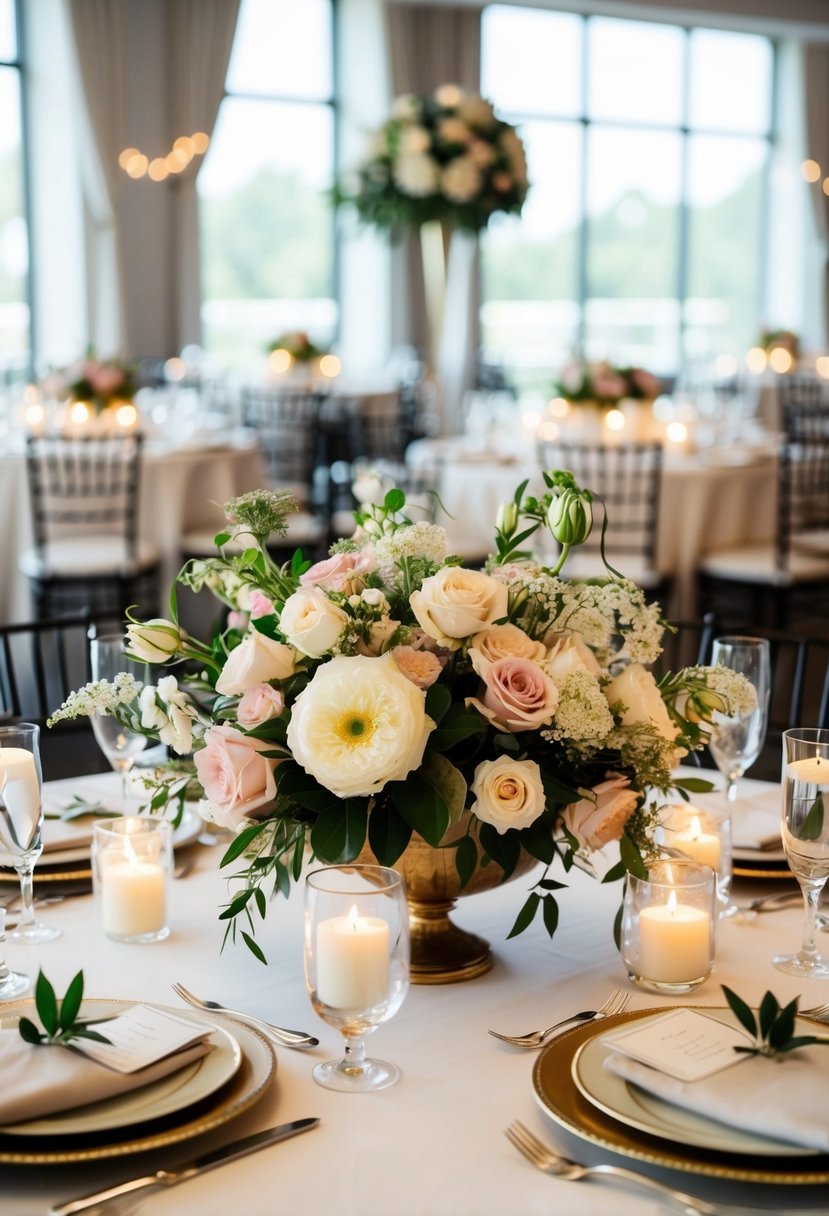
[559, 1096]
[763, 869]
[240, 1093]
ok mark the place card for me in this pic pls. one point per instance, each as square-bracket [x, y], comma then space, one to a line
[140, 1037]
[684, 1044]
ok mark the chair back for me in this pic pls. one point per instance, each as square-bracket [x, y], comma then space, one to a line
[804, 407]
[379, 429]
[287, 426]
[626, 479]
[84, 485]
[803, 499]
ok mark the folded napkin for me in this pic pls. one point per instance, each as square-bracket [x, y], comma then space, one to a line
[60, 834]
[786, 1101]
[38, 1081]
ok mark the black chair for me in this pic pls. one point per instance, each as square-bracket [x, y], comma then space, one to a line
[627, 480]
[791, 572]
[804, 407]
[84, 494]
[686, 644]
[41, 662]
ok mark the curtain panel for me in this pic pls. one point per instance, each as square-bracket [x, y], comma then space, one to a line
[816, 112]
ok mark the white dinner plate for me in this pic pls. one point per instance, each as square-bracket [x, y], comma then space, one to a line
[167, 1096]
[636, 1108]
[187, 832]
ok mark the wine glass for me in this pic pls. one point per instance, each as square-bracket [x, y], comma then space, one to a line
[806, 837]
[736, 742]
[356, 965]
[12, 983]
[21, 820]
[120, 745]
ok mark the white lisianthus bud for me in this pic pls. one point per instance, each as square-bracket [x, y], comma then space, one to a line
[155, 641]
[507, 518]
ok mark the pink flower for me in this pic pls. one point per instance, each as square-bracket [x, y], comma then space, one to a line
[259, 704]
[420, 666]
[647, 384]
[601, 815]
[238, 621]
[236, 777]
[104, 380]
[338, 572]
[260, 605]
[518, 694]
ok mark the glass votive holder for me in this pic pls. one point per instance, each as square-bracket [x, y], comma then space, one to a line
[703, 835]
[669, 922]
[132, 863]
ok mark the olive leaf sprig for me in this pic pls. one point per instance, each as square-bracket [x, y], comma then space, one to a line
[773, 1028]
[58, 1018]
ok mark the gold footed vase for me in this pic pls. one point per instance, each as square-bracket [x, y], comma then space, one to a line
[442, 952]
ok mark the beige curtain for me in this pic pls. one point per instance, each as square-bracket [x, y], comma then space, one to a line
[430, 45]
[816, 102]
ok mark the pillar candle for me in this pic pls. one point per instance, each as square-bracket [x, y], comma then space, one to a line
[352, 961]
[133, 897]
[811, 771]
[702, 847]
[674, 942]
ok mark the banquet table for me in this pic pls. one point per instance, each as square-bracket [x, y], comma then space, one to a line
[434, 1144]
[711, 499]
[184, 483]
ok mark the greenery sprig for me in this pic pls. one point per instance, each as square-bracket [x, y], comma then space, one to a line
[58, 1018]
[772, 1028]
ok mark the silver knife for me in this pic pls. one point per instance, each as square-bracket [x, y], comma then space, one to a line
[200, 1165]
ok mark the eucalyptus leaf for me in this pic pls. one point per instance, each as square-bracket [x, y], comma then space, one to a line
[550, 914]
[46, 1004]
[741, 1010]
[526, 915]
[255, 949]
[71, 1003]
[812, 826]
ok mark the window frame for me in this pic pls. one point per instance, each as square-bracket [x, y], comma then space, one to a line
[583, 121]
[18, 64]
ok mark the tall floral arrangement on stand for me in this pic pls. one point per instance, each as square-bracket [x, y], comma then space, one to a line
[388, 692]
[604, 384]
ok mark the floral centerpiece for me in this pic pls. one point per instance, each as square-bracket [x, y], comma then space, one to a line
[388, 693]
[299, 346]
[771, 339]
[100, 383]
[440, 156]
[604, 384]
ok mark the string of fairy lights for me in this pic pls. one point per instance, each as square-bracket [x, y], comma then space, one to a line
[137, 165]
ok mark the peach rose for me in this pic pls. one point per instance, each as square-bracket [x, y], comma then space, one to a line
[569, 653]
[518, 694]
[236, 777]
[259, 704]
[311, 621]
[255, 660]
[379, 634]
[420, 666]
[456, 603]
[601, 815]
[340, 572]
[509, 793]
[503, 641]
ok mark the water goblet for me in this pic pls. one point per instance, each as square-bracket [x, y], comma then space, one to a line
[736, 742]
[120, 745]
[356, 965]
[806, 837]
[12, 983]
[21, 821]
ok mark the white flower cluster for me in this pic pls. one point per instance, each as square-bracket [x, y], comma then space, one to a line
[422, 540]
[603, 612]
[170, 713]
[738, 693]
[583, 712]
[98, 697]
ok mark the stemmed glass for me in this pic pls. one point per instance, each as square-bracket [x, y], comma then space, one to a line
[12, 983]
[21, 820]
[356, 965]
[120, 745]
[737, 742]
[806, 837]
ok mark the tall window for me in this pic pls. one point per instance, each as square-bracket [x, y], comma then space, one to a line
[642, 236]
[14, 237]
[267, 227]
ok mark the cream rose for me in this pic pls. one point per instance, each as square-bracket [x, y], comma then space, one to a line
[569, 653]
[509, 793]
[358, 725]
[236, 777]
[505, 641]
[420, 666]
[255, 660]
[601, 815]
[259, 704]
[518, 695]
[311, 621]
[154, 641]
[379, 635]
[455, 604]
[637, 689]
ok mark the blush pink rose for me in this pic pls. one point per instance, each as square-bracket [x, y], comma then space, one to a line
[601, 815]
[260, 605]
[258, 705]
[420, 666]
[518, 695]
[339, 572]
[236, 777]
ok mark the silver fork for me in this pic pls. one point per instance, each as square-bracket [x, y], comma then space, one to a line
[816, 1011]
[570, 1171]
[615, 1003]
[285, 1038]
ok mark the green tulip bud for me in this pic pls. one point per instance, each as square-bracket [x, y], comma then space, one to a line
[570, 517]
[506, 520]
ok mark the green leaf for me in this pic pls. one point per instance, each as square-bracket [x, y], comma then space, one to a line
[632, 858]
[438, 701]
[80, 1032]
[694, 785]
[293, 782]
[340, 831]
[741, 1011]
[255, 950]
[812, 826]
[783, 1028]
[615, 872]
[556, 791]
[237, 904]
[282, 879]
[388, 833]
[617, 927]
[449, 782]
[538, 841]
[395, 500]
[550, 914]
[466, 859]
[805, 1040]
[261, 902]
[507, 743]
[421, 805]
[525, 916]
[458, 723]
[221, 538]
[768, 1011]
[241, 842]
[71, 1003]
[504, 849]
[29, 1031]
[46, 1004]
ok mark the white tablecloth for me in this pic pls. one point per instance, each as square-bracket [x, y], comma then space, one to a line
[182, 486]
[433, 1145]
[709, 501]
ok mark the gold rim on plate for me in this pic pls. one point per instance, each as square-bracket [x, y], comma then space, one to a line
[558, 1095]
[241, 1093]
